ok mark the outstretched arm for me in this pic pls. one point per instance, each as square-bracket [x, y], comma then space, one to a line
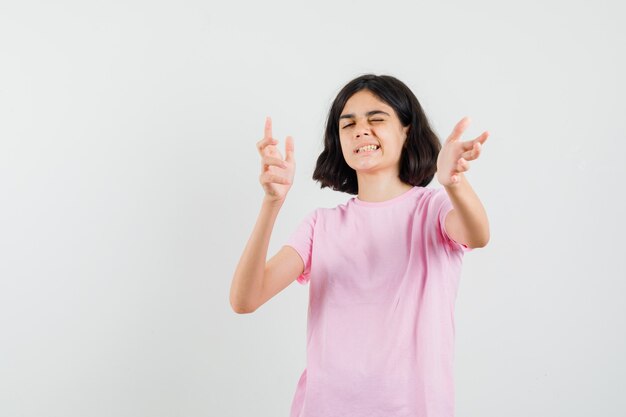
[467, 223]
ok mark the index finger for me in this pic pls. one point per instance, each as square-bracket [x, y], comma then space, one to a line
[459, 128]
[268, 127]
[469, 145]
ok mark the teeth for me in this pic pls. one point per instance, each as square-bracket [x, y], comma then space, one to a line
[367, 148]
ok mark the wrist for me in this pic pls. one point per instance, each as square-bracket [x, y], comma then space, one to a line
[452, 186]
[268, 201]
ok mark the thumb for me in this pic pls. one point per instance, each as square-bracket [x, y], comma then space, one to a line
[289, 149]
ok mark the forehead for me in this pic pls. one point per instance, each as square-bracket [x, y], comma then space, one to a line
[364, 100]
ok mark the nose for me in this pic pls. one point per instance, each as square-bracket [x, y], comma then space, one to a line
[361, 129]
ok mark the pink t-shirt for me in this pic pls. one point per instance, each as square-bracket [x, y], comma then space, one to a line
[380, 334]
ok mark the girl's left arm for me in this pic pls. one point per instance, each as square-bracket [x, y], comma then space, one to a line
[467, 223]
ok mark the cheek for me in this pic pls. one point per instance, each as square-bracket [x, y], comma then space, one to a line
[345, 150]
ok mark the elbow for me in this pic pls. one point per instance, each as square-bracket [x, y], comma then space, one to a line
[480, 243]
[243, 311]
[483, 240]
[240, 308]
[486, 239]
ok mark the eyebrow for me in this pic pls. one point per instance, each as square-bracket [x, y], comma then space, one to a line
[369, 113]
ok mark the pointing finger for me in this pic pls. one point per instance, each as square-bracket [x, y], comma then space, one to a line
[470, 144]
[268, 127]
[459, 128]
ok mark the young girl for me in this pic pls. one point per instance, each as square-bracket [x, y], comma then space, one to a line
[384, 267]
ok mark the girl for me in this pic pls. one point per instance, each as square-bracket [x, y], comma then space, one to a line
[383, 267]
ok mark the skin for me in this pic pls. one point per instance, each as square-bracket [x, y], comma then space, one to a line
[467, 223]
[378, 173]
[276, 173]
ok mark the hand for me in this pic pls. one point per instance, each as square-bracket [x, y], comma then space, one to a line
[453, 158]
[276, 174]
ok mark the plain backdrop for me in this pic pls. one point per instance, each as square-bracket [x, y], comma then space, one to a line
[129, 188]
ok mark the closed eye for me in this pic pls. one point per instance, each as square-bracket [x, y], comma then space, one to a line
[373, 120]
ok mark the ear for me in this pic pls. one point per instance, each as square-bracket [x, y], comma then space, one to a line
[406, 130]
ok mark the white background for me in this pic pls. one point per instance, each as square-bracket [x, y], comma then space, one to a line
[129, 188]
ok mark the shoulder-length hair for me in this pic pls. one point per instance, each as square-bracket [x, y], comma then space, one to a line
[418, 159]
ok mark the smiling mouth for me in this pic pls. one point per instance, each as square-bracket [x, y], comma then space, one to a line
[367, 149]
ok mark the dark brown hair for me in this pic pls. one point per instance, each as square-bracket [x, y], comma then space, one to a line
[418, 160]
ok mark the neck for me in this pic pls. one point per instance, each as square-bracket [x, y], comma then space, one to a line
[378, 187]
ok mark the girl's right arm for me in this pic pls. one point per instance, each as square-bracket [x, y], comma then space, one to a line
[276, 178]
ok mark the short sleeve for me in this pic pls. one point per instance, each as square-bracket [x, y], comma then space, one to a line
[443, 206]
[301, 239]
